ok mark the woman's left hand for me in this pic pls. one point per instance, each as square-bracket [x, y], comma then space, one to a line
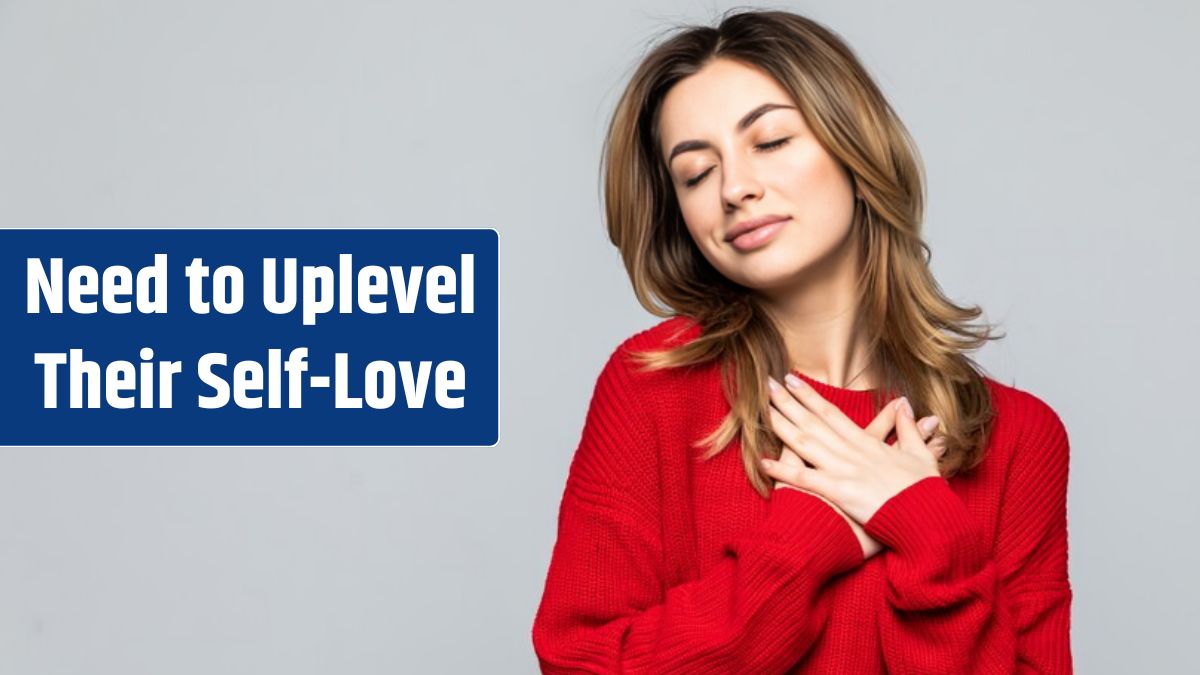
[851, 467]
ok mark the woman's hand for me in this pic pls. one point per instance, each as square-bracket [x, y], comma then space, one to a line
[789, 464]
[852, 468]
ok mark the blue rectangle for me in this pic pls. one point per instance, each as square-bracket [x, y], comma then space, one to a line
[439, 331]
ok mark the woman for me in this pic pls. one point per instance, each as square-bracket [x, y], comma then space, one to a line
[760, 188]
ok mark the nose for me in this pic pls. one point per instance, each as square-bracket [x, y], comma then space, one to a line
[739, 184]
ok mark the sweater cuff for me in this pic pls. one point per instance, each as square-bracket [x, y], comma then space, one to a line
[805, 524]
[929, 526]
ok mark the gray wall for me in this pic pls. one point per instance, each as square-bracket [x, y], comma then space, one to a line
[1061, 149]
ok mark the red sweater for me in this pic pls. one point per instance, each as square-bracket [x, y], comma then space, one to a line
[666, 564]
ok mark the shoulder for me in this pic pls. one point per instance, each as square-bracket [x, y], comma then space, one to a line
[1019, 405]
[624, 373]
[672, 332]
[1027, 422]
[626, 417]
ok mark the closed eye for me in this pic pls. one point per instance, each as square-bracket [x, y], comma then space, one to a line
[691, 182]
[769, 146]
[772, 145]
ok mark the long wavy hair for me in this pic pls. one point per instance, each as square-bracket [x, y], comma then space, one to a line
[917, 337]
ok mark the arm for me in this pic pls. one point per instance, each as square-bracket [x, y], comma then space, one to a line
[606, 607]
[954, 606]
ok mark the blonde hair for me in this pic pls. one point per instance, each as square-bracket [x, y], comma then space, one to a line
[917, 337]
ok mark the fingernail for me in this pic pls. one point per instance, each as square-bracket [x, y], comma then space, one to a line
[793, 381]
[772, 383]
[766, 463]
[929, 424]
[904, 407]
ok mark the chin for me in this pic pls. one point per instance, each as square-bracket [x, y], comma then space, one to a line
[766, 279]
[767, 270]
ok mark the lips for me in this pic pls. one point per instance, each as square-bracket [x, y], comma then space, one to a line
[758, 237]
[752, 224]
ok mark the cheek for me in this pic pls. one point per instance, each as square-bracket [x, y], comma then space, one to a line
[699, 221]
[820, 189]
[704, 232]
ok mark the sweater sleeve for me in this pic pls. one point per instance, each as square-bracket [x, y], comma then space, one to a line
[606, 607]
[955, 607]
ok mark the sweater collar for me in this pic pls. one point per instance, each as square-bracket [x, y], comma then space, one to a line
[857, 404]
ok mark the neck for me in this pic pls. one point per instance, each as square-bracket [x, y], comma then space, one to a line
[819, 321]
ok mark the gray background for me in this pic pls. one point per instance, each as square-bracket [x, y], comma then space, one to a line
[1061, 150]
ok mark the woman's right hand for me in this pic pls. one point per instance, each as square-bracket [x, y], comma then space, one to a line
[879, 427]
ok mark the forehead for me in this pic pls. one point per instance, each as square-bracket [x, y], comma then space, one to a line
[714, 99]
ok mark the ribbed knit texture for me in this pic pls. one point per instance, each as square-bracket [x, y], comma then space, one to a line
[668, 564]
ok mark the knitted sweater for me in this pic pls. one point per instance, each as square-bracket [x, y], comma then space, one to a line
[668, 564]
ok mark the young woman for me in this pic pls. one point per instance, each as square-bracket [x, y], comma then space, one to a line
[753, 491]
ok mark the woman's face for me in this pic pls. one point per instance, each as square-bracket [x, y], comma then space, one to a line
[739, 150]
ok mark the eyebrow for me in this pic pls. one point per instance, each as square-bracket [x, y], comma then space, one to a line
[746, 121]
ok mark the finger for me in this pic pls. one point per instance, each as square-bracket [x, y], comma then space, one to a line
[908, 436]
[800, 477]
[927, 426]
[826, 412]
[804, 446]
[789, 456]
[938, 446]
[810, 427]
[883, 423]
